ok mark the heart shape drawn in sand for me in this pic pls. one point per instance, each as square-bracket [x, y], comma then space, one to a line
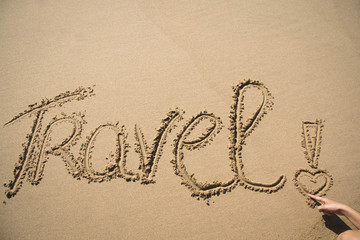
[316, 182]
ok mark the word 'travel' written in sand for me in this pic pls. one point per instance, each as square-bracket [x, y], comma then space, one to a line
[39, 145]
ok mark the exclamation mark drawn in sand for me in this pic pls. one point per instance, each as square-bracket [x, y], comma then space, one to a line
[239, 131]
[314, 181]
[311, 141]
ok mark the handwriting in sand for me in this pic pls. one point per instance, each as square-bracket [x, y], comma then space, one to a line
[39, 146]
[315, 181]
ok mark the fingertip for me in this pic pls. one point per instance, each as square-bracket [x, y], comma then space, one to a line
[313, 196]
[310, 195]
[317, 198]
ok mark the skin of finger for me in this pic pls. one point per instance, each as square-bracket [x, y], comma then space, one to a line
[328, 213]
[322, 208]
[320, 199]
[327, 208]
[314, 197]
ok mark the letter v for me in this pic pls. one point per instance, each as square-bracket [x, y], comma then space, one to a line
[150, 156]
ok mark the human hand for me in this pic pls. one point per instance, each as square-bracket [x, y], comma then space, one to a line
[328, 207]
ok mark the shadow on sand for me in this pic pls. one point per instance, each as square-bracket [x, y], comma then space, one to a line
[335, 224]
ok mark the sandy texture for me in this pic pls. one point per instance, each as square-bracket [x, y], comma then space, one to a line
[178, 120]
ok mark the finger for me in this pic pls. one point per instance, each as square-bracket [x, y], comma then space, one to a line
[322, 209]
[325, 211]
[320, 199]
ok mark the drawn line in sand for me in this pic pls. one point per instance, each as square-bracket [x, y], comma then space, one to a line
[239, 131]
[39, 145]
[311, 144]
[113, 169]
[316, 181]
[35, 146]
[150, 156]
[38, 161]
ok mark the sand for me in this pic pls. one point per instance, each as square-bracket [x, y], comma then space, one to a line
[178, 120]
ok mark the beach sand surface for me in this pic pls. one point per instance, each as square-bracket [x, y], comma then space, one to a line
[178, 119]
